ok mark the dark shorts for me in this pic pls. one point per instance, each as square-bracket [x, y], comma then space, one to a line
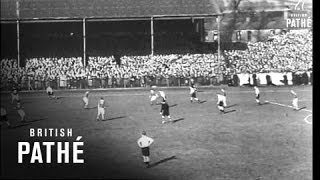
[4, 118]
[145, 151]
[165, 112]
[193, 95]
[258, 96]
[50, 93]
[220, 103]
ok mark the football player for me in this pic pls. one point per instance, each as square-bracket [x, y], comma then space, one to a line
[15, 95]
[50, 92]
[224, 98]
[295, 100]
[4, 116]
[86, 99]
[101, 109]
[193, 91]
[220, 102]
[257, 92]
[21, 112]
[153, 97]
[165, 111]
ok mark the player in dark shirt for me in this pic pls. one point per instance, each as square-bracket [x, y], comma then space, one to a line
[15, 95]
[165, 111]
[220, 102]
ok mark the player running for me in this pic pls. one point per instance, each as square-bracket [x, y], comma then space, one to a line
[224, 97]
[101, 109]
[295, 100]
[153, 97]
[4, 116]
[86, 100]
[220, 102]
[165, 111]
[257, 92]
[193, 95]
[15, 96]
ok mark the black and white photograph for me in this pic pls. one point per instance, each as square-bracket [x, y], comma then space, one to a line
[156, 89]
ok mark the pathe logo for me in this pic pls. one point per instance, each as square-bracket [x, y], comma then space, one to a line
[298, 17]
[299, 5]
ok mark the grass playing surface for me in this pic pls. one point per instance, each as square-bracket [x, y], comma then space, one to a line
[269, 141]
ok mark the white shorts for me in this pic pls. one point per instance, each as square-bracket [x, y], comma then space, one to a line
[101, 111]
[85, 100]
[153, 98]
[295, 102]
[224, 99]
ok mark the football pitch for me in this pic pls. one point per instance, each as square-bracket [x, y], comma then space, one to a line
[249, 142]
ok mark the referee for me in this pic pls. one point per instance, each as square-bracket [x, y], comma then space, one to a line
[144, 142]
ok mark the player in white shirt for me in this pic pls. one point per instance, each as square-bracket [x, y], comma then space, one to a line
[101, 109]
[4, 116]
[295, 100]
[193, 95]
[257, 92]
[86, 99]
[50, 92]
[153, 97]
[163, 95]
[224, 98]
[220, 102]
[144, 142]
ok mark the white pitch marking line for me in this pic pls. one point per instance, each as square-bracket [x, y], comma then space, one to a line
[306, 119]
[288, 106]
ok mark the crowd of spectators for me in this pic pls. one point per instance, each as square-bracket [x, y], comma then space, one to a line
[290, 52]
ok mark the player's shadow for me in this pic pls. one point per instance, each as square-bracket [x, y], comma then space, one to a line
[27, 102]
[302, 108]
[264, 103]
[231, 106]
[201, 102]
[173, 105]
[114, 118]
[56, 98]
[36, 120]
[177, 120]
[19, 125]
[162, 161]
[91, 107]
[226, 112]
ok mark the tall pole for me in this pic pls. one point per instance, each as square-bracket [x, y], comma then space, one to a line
[18, 32]
[219, 53]
[218, 19]
[152, 38]
[84, 42]
[18, 43]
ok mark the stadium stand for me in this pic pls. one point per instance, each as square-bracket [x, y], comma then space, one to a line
[290, 52]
